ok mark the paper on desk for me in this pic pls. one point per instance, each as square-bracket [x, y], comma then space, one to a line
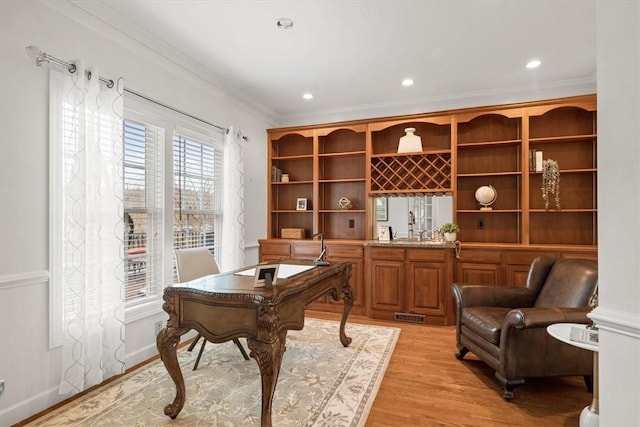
[284, 272]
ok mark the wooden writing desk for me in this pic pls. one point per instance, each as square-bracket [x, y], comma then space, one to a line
[227, 306]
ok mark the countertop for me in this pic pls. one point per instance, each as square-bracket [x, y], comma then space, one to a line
[405, 243]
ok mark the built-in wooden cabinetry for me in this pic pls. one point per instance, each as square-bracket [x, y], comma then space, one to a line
[462, 150]
[423, 172]
[489, 152]
[508, 265]
[566, 133]
[292, 153]
[343, 251]
[494, 148]
[406, 281]
[323, 165]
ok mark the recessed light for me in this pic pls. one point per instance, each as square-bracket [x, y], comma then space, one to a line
[534, 63]
[285, 23]
[407, 82]
[307, 95]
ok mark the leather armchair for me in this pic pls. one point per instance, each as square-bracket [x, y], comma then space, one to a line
[506, 327]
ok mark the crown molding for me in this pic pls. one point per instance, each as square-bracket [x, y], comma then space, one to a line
[478, 98]
[103, 20]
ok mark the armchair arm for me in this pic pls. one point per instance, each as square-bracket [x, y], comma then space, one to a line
[469, 295]
[544, 316]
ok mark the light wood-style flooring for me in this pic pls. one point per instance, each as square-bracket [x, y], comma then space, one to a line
[425, 385]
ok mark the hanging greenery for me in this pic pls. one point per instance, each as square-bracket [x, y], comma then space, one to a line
[550, 182]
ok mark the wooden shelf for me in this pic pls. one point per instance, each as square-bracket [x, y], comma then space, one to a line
[292, 183]
[589, 170]
[484, 144]
[303, 157]
[324, 164]
[419, 153]
[561, 210]
[342, 211]
[478, 211]
[485, 174]
[344, 154]
[462, 150]
[567, 134]
[570, 138]
[329, 181]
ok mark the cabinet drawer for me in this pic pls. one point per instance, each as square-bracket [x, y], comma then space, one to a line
[305, 251]
[426, 254]
[585, 255]
[392, 254]
[275, 249]
[341, 251]
[493, 257]
[526, 258]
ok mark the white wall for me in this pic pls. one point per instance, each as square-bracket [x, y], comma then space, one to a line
[618, 315]
[30, 369]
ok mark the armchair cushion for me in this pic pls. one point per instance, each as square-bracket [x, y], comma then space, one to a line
[569, 284]
[485, 321]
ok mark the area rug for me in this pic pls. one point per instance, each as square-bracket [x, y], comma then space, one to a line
[321, 383]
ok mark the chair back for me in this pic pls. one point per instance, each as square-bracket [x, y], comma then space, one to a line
[193, 263]
[570, 283]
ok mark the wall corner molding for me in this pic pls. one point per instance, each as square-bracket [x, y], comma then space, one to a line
[617, 321]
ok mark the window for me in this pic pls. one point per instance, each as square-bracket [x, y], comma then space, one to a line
[422, 208]
[197, 178]
[172, 199]
[143, 209]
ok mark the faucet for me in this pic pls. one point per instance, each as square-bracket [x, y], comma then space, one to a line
[412, 220]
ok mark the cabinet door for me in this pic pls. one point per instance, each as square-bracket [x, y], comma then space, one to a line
[387, 285]
[357, 284]
[517, 275]
[344, 253]
[426, 289]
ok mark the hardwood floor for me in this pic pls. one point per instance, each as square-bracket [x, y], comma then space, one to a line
[425, 385]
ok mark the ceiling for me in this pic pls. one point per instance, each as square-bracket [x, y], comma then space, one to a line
[353, 55]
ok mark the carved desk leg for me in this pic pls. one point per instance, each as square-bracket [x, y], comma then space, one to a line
[167, 342]
[268, 350]
[347, 297]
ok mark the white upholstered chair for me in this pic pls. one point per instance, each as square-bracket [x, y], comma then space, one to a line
[191, 264]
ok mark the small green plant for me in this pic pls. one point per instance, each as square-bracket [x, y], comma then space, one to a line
[449, 228]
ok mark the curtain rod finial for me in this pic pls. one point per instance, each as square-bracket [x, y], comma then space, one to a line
[33, 51]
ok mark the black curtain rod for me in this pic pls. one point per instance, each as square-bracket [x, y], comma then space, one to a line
[42, 57]
[162, 104]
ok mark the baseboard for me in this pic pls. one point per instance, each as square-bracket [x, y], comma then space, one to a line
[27, 408]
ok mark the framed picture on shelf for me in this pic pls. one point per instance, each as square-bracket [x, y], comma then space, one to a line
[301, 205]
[385, 233]
[382, 205]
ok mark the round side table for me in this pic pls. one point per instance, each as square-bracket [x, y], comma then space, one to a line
[562, 331]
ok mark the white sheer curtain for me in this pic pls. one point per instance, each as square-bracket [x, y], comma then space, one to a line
[232, 248]
[87, 269]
